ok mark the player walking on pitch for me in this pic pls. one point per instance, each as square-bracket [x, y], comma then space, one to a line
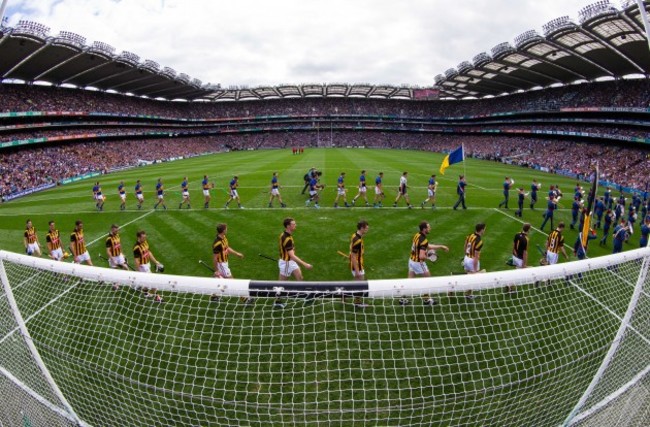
[233, 194]
[356, 257]
[30, 240]
[473, 247]
[143, 256]
[379, 191]
[160, 193]
[362, 189]
[288, 261]
[421, 249]
[402, 191]
[205, 184]
[275, 191]
[139, 194]
[341, 191]
[78, 244]
[431, 193]
[122, 193]
[220, 251]
[53, 240]
[185, 192]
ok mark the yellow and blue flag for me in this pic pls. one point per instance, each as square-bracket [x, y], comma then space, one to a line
[456, 156]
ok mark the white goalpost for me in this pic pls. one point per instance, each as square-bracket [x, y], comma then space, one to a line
[569, 347]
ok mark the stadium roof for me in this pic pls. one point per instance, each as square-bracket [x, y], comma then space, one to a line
[608, 42]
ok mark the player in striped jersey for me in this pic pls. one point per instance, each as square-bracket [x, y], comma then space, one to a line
[78, 244]
[53, 241]
[275, 191]
[185, 192]
[519, 252]
[288, 261]
[220, 251]
[143, 256]
[417, 260]
[30, 240]
[356, 258]
[473, 247]
[114, 249]
[555, 245]
[122, 192]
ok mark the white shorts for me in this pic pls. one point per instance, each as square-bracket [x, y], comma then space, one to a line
[287, 267]
[116, 261]
[145, 268]
[313, 193]
[83, 257]
[431, 192]
[362, 273]
[123, 197]
[140, 196]
[418, 267]
[161, 196]
[362, 189]
[186, 194]
[99, 196]
[341, 191]
[33, 247]
[206, 193]
[223, 269]
[552, 257]
[517, 262]
[275, 192]
[378, 191]
[233, 194]
[468, 264]
[57, 254]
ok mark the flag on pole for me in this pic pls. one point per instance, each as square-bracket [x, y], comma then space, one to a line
[586, 227]
[456, 156]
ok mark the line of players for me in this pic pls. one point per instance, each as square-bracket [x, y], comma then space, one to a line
[289, 263]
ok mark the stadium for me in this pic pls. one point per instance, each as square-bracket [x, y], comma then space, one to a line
[84, 130]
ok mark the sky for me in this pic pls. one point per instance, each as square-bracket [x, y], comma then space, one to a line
[249, 43]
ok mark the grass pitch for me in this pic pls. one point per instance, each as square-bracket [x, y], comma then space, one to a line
[120, 361]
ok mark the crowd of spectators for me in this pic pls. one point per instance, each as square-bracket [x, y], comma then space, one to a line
[28, 168]
[620, 94]
[32, 165]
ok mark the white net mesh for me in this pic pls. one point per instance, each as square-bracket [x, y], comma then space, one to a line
[545, 355]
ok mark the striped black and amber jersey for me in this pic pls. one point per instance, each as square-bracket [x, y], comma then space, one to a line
[286, 245]
[220, 249]
[554, 242]
[113, 244]
[356, 250]
[53, 240]
[473, 245]
[520, 245]
[420, 243]
[141, 253]
[77, 242]
[30, 235]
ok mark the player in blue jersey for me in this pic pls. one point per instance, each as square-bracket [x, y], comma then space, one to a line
[122, 192]
[362, 189]
[379, 191]
[206, 185]
[275, 191]
[233, 194]
[160, 194]
[314, 191]
[139, 194]
[431, 192]
[534, 188]
[575, 210]
[98, 196]
[341, 191]
[620, 235]
[645, 232]
[507, 184]
[185, 192]
[551, 206]
[460, 190]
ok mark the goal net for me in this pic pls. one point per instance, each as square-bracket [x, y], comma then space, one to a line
[569, 346]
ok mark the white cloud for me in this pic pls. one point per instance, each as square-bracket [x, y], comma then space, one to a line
[254, 42]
